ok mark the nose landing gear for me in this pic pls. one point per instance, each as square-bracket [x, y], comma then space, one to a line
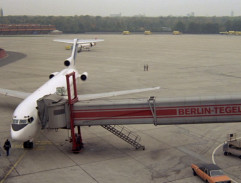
[28, 145]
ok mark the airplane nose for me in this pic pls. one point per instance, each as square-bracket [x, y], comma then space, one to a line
[14, 135]
[19, 135]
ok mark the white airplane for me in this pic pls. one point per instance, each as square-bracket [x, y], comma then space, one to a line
[83, 44]
[25, 124]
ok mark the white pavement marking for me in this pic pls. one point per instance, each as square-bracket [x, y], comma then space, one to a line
[214, 151]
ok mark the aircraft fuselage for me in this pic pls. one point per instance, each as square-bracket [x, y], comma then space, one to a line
[25, 118]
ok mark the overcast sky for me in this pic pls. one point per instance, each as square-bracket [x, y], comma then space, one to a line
[125, 7]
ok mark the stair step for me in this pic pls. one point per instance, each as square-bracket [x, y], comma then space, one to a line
[120, 133]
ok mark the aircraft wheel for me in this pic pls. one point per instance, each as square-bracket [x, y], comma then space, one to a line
[28, 145]
[225, 153]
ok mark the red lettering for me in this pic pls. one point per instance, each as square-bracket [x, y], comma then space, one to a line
[234, 109]
[181, 112]
[193, 110]
[187, 111]
[200, 111]
[207, 110]
[214, 110]
[228, 110]
[221, 110]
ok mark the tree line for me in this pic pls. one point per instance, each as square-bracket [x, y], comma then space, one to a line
[82, 24]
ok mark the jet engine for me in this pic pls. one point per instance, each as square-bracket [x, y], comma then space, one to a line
[67, 62]
[53, 74]
[92, 44]
[84, 76]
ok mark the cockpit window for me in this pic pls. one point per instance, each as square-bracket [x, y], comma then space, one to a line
[30, 120]
[22, 121]
[15, 121]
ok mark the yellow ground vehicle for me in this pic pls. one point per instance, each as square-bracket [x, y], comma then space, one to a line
[176, 32]
[126, 32]
[147, 32]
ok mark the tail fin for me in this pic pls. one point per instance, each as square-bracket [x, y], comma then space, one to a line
[74, 52]
[71, 60]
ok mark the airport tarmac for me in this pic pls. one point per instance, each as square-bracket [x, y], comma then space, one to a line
[183, 65]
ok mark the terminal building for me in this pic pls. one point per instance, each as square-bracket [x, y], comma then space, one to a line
[12, 29]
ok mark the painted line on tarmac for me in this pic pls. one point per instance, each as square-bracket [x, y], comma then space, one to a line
[10, 171]
[214, 151]
[213, 159]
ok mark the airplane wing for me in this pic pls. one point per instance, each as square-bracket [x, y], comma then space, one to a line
[13, 93]
[80, 41]
[23, 95]
[112, 94]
